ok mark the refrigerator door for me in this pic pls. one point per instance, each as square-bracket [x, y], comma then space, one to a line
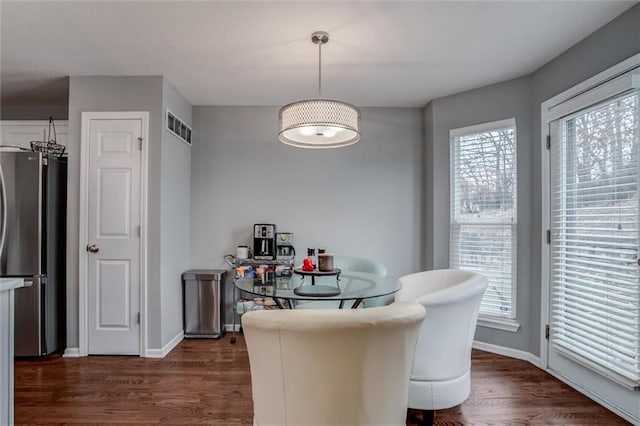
[28, 317]
[22, 252]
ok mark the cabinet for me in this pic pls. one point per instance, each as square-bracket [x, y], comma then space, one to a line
[21, 133]
[7, 287]
[267, 271]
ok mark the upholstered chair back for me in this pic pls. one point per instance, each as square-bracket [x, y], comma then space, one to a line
[352, 264]
[440, 377]
[359, 264]
[332, 366]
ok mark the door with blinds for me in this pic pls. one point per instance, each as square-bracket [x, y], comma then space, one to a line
[594, 339]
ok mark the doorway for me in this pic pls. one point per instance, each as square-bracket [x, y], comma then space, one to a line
[590, 262]
[112, 285]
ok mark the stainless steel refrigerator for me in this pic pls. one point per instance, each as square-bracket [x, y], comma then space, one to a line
[33, 247]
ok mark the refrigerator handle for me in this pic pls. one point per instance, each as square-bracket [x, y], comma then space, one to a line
[3, 197]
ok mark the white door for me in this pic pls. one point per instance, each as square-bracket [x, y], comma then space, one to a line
[113, 244]
[594, 256]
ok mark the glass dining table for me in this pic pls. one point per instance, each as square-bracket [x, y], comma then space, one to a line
[350, 289]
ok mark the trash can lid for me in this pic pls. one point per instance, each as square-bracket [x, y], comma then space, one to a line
[204, 274]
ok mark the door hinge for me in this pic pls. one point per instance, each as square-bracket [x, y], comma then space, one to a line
[138, 231]
[138, 318]
[548, 236]
[546, 331]
[548, 141]
[140, 144]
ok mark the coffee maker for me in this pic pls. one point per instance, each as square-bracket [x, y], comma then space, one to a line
[264, 241]
[284, 246]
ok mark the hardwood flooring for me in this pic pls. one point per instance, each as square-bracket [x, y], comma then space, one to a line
[208, 382]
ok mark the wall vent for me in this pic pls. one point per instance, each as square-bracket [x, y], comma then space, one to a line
[178, 127]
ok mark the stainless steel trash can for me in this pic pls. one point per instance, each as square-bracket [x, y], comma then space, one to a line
[203, 303]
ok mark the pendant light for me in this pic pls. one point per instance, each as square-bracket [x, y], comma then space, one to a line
[319, 123]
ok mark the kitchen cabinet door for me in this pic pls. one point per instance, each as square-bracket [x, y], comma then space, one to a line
[21, 133]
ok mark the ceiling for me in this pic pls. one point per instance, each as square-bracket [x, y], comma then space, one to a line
[393, 53]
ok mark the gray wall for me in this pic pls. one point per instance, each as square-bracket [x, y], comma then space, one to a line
[613, 43]
[175, 213]
[116, 94]
[362, 200]
[34, 112]
[51, 98]
[520, 98]
[491, 103]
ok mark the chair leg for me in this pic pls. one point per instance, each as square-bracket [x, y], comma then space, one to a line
[427, 417]
[426, 420]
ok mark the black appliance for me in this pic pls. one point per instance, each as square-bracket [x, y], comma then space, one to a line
[264, 241]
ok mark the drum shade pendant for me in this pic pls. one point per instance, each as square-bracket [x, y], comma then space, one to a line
[319, 123]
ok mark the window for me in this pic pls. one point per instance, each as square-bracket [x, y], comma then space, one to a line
[595, 281]
[483, 212]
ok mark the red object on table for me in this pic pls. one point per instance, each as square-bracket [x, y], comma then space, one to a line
[307, 264]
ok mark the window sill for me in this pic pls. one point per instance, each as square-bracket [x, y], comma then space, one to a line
[499, 324]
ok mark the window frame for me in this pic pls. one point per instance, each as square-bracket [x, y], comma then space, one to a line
[569, 201]
[590, 91]
[486, 320]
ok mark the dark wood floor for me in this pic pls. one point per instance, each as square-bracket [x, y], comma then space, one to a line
[208, 382]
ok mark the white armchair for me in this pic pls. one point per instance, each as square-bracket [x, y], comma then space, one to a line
[330, 366]
[440, 377]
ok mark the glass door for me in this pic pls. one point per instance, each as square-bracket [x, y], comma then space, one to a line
[594, 266]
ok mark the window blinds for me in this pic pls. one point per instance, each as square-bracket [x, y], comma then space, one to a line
[483, 211]
[595, 286]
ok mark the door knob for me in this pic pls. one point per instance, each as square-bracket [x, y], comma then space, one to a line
[92, 248]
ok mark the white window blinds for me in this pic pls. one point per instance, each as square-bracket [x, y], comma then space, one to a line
[483, 211]
[595, 286]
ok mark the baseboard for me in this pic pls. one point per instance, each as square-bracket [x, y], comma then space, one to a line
[511, 353]
[71, 353]
[161, 353]
[229, 328]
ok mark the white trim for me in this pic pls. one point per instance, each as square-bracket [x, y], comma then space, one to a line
[144, 206]
[83, 332]
[509, 352]
[83, 341]
[545, 119]
[59, 123]
[482, 127]
[71, 353]
[545, 252]
[599, 93]
[596, 80]
[166, 349]
[499, 324]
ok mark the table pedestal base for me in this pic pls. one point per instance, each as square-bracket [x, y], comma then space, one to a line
[317, 290]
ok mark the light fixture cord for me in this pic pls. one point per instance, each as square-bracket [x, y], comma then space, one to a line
[320, 70]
